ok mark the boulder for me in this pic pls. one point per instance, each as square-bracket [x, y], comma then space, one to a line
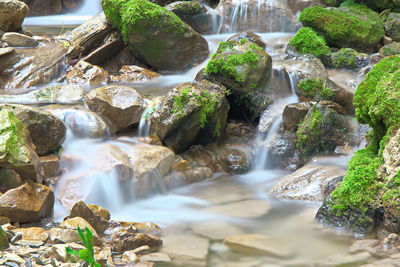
[17, 151]
[9, 179]
[44, 7]
[347, 58]
[46, 130]
[243, 68]
[130, 74]
[6, 51]
[392, 25]
[250, 36]
[121, 106]
[190, 113]
[192, 13]
[75, 222]
[363, 30]
[18, 40]
[307, 183]
[391, 49]
[124, 240]
[34, 236]
[80, 209]
[155, 35]
[85, 73]
[28, 203]
[293, 114]
[50, 165]
[12, 14]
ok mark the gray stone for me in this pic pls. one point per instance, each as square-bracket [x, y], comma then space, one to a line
[12, 14]
[18, 40]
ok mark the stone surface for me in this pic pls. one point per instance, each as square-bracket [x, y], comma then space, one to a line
[35, 236]
[307, 183]
[258, 244]
[99, 211]
[293, 114]
[215, 230]
[46, 130]
[251, 36]
[12, 14]
[242, 209]
[6, 51]
[80, 209]
[130, 74]
[155, 257]
[345, 260]
[18, 40]
[124, 240]
[75, 222]
[50, 165]
[59, 235]
[120, 106]
[392, 24]
[192, 13]
[9, 179]
[130, 257]
[84, 73]
[28, 203]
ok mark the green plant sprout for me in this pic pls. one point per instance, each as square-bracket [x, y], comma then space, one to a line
[86, 254]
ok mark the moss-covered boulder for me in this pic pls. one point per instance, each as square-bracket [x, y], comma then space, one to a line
[350, 26]
[155, 35]
[244, 69]
[377, 5]
[347, 58]
[190, 113]
[390, 49]
[192, 13]
[17, 151]
[392, 26]
[307, 41]
[322, 130]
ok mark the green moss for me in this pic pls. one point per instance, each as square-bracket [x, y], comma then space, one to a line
[344, 58]
[186, 8]
[306, 41]
[315, 88]
[310, 129]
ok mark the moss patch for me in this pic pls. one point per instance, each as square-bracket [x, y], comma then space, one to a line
[315, 88]
[344, 58]
[307, 41]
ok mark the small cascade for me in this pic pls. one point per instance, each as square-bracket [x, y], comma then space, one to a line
[144, 124]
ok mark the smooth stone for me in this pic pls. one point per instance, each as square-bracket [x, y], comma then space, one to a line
[155, 257]
[345, 260]
[11, 257]
[59, 252]
[12, 14]
[130, 257]
[74, 223]
[36, 236]
[215, 230]
[18, 40]
[242, 209]
[124, 240]
[99, 211]
[6, 51]
[363, 245]
[84, 73]
[59, 235]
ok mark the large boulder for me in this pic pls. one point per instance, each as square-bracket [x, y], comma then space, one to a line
[243, 68]
[193, 13]
[28, 203]
[392, 26]
[120, 106]
[190, 113]
[12, 14]
[47, 131]
[351, 26]
[17, 152]
[155, 35]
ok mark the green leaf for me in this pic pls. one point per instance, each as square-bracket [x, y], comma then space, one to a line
[97, 264]
[89, 240]
[84, 254]
[71, 252]
[82, 237]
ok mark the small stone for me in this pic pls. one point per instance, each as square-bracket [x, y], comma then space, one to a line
[129, 74]
[80, 209]
[99, 211]
[130, 257]
[59, 252]
[87, 74]
[6, 51]
[58, 235]
[145, 227]
[35, 236]
[18, 40]
[50, 165]
[11, 257]
[124, 240]
[75, 222]
[293, 114]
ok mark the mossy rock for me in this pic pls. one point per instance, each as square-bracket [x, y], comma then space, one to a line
[193, 13]
[347, 58]
[155, 35]
[244, 69]
[307, 41]
[191, 113]
[351, 26]
[392, 26]
[322, 130]
[380, 5]
[390, 49]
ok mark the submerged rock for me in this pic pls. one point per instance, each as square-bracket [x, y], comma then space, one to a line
[155, 35]
[12, 14]
[18, 40]
[124, 240]
[130, 74]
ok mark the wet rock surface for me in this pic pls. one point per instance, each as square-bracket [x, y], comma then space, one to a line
[12, 13]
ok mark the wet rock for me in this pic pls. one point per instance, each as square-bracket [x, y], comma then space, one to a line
[190, 113]
[251, 36]
[258, 244]
[130, 257]
[155, 257]
[87, 74]
[157, 36]
[215, 230]
[185, 249]
[12, 14]
[46, 130]
[121, 106]
[12, 258]
[18, 40]
[144, 228]
[363, 245]
[347, 58]
[32, 236]
[59, 252]
[50, 165]
[130, 74]
[28, 203]
[44, 7]
[58, 235]
[192, 13]
[307, 183]
[293, 114]
[75, 222]
[6, 51]
[99, 211]
[80, 209]
[60, 94]
[103, 255]
[83, 123]
[390, 49]
[251, 70]
[241, 209]
[124, 240]
[345, 260]
[392, 24]
[9, 179]
[14, 134]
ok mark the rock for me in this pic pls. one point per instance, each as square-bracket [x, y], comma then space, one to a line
[61, 94]
[75, 222]
[11, 258]
[104, 256]
[58, 235]
[84, 73]
[121, 106]
[190, 113]
[363, 245]
[124, 240]
[144, 228]
[83, 123]
[46, 130]
[364, 28]
[99, 211]
[242, 209]
[293, 114]
[192, 13]
[251, 36]
[50, 166]
[18, 40]
[345, 260]
[157, 37]
[13, 135]
[32, 236]
[215, 230]
[243, 68]
[307, 183]
[130, 74]
[12, 14]
[347, 58]
[9, 179]
[155, 257]
[307, 68]
[383, 263]
[44, 7]
[28, 203]
[390, 49]
[130, 257]
[59, 252]
[6, 51]
[392, 24]
[185, 249]
[72, 5]
[258, 244]
[81, 210]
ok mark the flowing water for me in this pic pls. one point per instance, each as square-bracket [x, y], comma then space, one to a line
[220, 204]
